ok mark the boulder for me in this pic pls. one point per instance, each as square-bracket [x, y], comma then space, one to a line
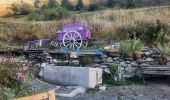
[149, 60]
[129, 72]
[109, 60]
[123, 64]
[134, 64]
[139, 61]
[103, 66]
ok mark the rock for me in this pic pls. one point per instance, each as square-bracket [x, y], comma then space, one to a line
[123, 64]
[103, 66]
[104, 60]
[97, 60]
[168, 63]
[128, 62]
[147, 53]
[120, 73]
[145, 65]
[103, 56]
[116, 62]
[96, 65]
[107, 70]
[149, 60]
[115, 54]
[134, 64]
[168, 57]
[155, 50]
[116, 58]
[110, 60]
[129, 59]
[153, 63]
[155, 56]
[129, 72]
[139, 61]
[54, 61]
[102, 88]
[75, 62]
[138, 72]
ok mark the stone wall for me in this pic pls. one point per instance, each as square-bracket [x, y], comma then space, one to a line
[129, 66]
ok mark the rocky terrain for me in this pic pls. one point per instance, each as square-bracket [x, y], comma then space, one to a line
[152, 91]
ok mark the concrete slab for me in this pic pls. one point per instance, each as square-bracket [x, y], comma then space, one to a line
[72, 76]
[73, 93]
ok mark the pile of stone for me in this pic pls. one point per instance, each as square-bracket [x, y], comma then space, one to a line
[128, 66]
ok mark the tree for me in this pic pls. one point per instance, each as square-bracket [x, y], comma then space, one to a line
[92, 7]
[36, 3]
[130, 4]
[110, 3]
[79, 5]
[66, 4]
[52, 3]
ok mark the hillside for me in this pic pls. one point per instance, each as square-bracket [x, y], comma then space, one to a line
[6, 4]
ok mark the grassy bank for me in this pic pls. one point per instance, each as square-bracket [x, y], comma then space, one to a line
[103, 24]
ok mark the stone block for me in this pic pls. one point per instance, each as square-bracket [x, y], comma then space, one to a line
[78, 76]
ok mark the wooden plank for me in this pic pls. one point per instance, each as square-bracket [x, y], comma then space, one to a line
[50, 95]
[157, 72]
[156, 68]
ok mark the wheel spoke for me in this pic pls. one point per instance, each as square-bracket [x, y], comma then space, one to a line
[68, 37]
[77, 37]
[76, 45]
[73, 35]
[68, 44]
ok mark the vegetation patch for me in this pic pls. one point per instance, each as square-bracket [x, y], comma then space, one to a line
[45, 14]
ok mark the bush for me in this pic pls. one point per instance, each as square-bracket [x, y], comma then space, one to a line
[130, 48]
[92, 7]
[48, 14]
[8, 72]
[148, 32]
[4, 45]
[21, 9]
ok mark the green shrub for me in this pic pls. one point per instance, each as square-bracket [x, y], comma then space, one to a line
[113, 69]
[130, 4]
[4, 45]
[52, 3]
[148, 32]
[130, 48]
[79, 5]
[21, 9]
[92, 7]
[48, 14]
[8, 71]
[164, 48]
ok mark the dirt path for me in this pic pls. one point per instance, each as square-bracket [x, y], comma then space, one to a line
[152, 91]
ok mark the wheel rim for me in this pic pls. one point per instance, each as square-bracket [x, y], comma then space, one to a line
[72, 40]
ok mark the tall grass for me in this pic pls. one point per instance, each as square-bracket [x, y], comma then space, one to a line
[103, 24]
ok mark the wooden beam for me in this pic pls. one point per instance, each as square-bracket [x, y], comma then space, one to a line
[49, 95]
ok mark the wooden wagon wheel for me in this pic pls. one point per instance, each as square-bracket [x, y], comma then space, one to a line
[72, 40]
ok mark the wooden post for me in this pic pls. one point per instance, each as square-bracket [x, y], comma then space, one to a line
[49, 95]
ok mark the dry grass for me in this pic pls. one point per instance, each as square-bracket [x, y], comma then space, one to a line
[103, 24]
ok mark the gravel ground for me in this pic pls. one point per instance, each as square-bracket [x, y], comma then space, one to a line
[152, 91]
